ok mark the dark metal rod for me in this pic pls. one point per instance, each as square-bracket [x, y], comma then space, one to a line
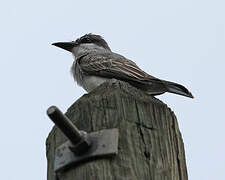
[64, 124]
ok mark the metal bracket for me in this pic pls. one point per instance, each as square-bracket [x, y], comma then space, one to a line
[104, 143]
[81, 146]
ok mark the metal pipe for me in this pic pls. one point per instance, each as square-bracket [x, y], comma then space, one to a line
[64, 124]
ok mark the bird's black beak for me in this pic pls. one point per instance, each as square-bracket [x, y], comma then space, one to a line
[65, 45]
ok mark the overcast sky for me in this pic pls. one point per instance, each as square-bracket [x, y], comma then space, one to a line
[180, 41]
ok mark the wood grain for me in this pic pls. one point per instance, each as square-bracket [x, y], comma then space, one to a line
[150, 143]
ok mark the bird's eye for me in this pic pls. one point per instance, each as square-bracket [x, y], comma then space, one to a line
[75, 42]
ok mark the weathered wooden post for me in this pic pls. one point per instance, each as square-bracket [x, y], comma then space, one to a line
[150, 144]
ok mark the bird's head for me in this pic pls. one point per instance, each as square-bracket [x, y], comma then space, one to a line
[87, 42]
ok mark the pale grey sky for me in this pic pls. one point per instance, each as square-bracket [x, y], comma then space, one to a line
[181, 41]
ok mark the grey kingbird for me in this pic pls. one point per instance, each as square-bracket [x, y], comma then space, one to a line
[95, 63]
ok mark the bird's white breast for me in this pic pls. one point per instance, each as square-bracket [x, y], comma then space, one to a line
[91, 82]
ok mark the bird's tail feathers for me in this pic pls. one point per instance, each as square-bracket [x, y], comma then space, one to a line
[177, 89]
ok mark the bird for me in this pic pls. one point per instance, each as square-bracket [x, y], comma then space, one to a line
[95, 63]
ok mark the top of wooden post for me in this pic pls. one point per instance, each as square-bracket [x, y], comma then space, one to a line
[150, 143]
[118, 87]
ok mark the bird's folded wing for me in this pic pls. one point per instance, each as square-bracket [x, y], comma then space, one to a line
[114, 66]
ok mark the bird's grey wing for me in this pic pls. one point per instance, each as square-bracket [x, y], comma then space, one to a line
[116, 66]
[112, 65]
[109, 65]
